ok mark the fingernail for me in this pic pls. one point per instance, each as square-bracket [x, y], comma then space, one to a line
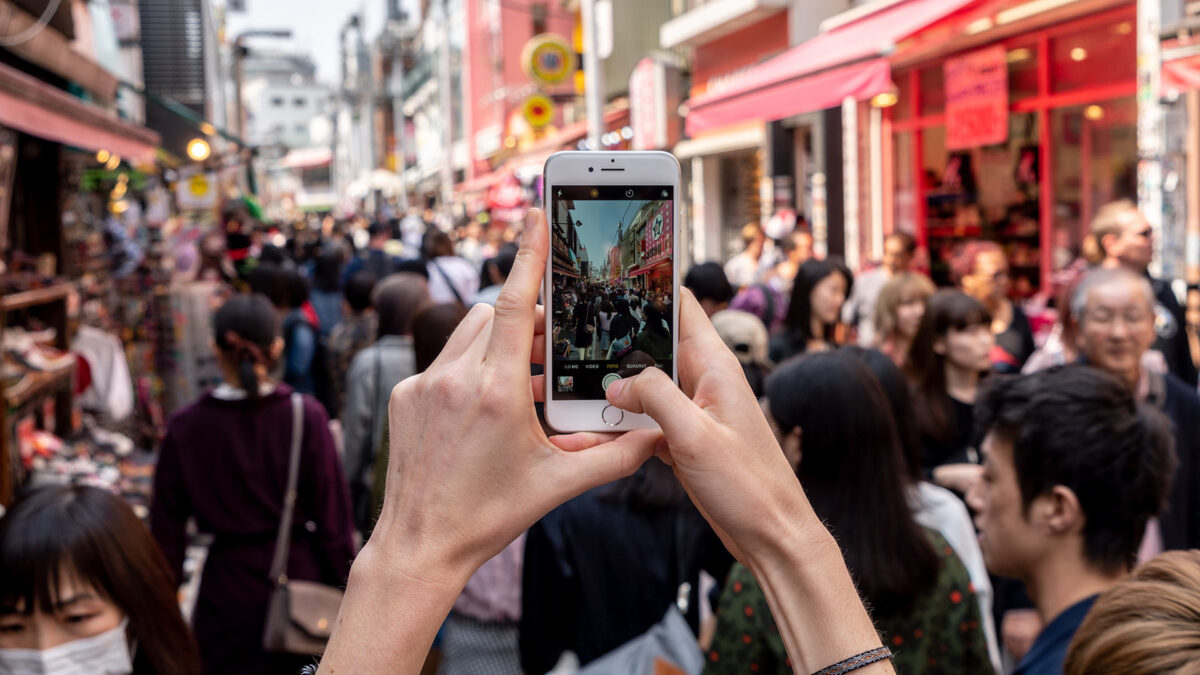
[614, 389]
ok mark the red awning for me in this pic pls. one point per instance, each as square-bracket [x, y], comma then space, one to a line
[38, 109]
[1182, 74]
[846, 61]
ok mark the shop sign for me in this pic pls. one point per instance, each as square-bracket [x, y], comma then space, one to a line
[976, 99]
[654, 96]
[656, 241]
[538, 111]
[196, 191]
[548, 59]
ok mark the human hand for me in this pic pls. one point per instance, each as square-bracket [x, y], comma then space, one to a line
[958, 477]
[470, 467]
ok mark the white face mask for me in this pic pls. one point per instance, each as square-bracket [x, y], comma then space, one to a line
[104, 654]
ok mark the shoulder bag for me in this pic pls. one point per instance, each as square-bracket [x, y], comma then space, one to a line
[301, 614]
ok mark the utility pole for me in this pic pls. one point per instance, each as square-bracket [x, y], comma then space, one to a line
[593, 94]
[397, 31]
[446, 104]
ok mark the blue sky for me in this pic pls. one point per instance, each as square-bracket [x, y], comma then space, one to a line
[600, 220]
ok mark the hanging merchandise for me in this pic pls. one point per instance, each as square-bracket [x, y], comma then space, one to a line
[110, 389]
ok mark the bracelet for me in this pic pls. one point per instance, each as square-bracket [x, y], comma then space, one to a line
[858, 661]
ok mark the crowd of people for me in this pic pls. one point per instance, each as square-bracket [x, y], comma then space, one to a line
[856, 473]
[608, 320]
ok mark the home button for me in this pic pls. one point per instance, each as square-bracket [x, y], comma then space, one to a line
[612, 416]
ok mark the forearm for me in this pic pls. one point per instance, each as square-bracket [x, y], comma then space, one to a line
[391, 613]
[814, 602]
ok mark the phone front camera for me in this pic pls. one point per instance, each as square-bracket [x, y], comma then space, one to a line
[591, 169]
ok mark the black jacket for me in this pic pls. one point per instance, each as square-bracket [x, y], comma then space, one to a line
[1181, 523]
[1172, 339]
[600, 571]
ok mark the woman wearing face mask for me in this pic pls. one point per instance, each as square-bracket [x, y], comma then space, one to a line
[949, 356]
[982, 271]
[898, 313]
[84, 589]
[820, 290]
[224, 461]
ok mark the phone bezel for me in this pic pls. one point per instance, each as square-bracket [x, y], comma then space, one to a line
[631, 168]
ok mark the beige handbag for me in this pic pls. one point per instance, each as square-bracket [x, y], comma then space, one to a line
[301, 614]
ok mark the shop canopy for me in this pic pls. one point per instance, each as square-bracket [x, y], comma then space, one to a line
[38, 109]
[845, 61]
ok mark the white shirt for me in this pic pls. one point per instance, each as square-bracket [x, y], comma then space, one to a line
[939, 509]
[461, 273]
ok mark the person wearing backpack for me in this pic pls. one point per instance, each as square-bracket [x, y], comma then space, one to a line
[373, 373]
[375, 259]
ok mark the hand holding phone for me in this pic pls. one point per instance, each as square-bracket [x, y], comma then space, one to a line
[611, 281]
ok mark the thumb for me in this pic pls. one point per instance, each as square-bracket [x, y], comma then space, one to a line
[653, 393]
[576, 471]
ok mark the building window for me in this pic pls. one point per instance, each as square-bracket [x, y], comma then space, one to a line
[299, 102]
[277, 101]
[300, 129]
[539, 12]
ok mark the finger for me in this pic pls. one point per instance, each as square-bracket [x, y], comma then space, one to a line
[464, 336]
[537, 354]
[652, 392]
[538, 384]
[512, 330]
[587, 468]
[539, 320]
[582, 440]
[701, 349]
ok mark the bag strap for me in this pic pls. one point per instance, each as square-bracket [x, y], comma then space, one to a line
[283, 541]
[449, 283]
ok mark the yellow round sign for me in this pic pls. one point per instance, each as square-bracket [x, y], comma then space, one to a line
[548, 59]
[198, 184]
[538, 110]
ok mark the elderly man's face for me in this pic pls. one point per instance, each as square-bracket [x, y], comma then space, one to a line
[1117, 326]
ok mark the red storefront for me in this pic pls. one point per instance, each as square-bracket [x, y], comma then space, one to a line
[656, 241]
[1013, 125]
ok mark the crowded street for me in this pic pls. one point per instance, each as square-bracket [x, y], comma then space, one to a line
[544, 337]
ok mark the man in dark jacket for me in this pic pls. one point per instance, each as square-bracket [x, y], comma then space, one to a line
[1126, 239]
[1115, 310]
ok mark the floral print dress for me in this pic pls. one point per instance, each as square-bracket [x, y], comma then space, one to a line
[939, 633]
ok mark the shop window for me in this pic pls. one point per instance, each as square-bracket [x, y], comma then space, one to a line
[277, 102]
[904, 201]
[1022, 72]
[933, 90]
[1095, 162]
[1097, 56]
[903, 108]
[299, 102]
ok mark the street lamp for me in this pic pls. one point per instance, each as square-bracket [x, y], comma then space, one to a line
[239, 52]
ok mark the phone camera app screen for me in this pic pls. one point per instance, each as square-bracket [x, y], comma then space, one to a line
[612, 271]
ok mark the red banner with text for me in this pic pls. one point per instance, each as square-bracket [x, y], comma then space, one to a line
[976, 99]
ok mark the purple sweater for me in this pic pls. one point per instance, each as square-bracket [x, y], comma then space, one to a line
[225, 464]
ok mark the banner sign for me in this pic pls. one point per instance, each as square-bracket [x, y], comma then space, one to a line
[656, 242]
[976, 99]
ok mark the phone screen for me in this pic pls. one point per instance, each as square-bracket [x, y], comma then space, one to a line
[613, 268]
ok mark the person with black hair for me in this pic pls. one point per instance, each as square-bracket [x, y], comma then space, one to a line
[85, 585]
[813, 312]
[707, 281]
[920, 592]
[224, 462]
[655, 338]
[374, 259]
[1075, 467]
[327, 291]
[946, 363]
[373, 373]
[356, 332]
[497, 270]
[934, 507]
[301, 332]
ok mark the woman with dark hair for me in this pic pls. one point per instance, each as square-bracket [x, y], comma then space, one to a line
[451, 278]
[981, 270]
[606, 314]
[224, 462]
[431, 327]
[949, 357]
[623, 329]
[327, 291]
[84, 587]
[853, 473]
[820, 290]
[934, 507]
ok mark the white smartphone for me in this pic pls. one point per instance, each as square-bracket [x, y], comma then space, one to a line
[611, 281]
